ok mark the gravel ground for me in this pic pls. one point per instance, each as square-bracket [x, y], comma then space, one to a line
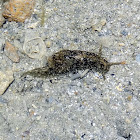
[61, 108]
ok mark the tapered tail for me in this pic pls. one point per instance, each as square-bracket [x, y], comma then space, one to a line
[38, 72]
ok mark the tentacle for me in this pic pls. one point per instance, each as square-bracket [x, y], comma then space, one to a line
[117, 63]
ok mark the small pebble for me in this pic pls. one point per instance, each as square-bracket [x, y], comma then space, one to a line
[119, 87]
[18, 10]
[124, 32]
[11, 52]
[38, 118]
[49, 100]
[48, 43]
[127, 120]
[94, 89]
[34, 106]
[129, 98]
[121, 44]
[6, 78]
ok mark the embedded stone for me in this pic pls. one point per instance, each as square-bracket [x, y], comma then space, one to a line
[6, 78]
[11, 52]
[18, 10]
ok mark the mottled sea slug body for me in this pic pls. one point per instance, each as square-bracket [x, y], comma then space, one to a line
[66, 61]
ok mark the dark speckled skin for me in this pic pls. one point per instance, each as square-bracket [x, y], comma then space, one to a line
[66, 61]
